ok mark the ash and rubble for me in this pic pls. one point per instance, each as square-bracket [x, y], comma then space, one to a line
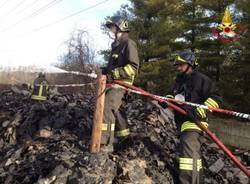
[49, 144]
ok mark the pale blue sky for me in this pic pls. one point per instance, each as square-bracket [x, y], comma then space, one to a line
[22, 44]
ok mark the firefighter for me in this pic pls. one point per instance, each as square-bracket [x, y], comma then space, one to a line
[122, 65]
[40, 88]
[192, 86]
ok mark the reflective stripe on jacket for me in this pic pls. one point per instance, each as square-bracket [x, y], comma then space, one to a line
[40, 89]
[197, 88]
[123, 61]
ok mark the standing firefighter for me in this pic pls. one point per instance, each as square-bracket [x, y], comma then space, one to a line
[191, 86]
[39, 88]
[122, 65]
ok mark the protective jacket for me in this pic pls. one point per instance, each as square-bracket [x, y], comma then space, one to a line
[197, 88]
[40, 89]
[123, 61]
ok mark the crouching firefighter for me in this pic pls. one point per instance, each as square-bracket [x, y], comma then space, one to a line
[122, 65]
[192, 86]
[39, 88]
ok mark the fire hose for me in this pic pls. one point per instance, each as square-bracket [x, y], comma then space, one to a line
[199, 124]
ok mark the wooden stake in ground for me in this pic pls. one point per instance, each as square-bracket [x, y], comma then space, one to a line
[98, 115]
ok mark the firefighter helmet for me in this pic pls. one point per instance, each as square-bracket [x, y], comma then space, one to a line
[186, 57]
[41, 75]
[119, 22]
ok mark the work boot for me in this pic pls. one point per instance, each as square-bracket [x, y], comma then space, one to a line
[107, 148]
[123, 143]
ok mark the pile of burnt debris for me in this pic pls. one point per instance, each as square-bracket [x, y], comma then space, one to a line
[47, 143]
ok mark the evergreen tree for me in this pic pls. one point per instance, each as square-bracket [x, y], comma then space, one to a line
[163, 27]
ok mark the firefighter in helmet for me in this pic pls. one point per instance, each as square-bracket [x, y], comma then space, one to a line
[123, 65]
[192, 86]
[40, 88]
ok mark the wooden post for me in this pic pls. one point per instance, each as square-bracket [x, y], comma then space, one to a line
[98, 115]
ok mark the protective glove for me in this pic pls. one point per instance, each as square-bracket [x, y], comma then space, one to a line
[163, 104]
[110, 78]
[116, 74]
[104, 70]
[26, 86]
[170, 96]
[195, 114]
[200, 114]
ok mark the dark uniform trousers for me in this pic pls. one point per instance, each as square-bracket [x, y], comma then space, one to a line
[190, 163]
[114, 122]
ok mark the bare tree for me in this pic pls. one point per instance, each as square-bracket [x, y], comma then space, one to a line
[80, 54]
